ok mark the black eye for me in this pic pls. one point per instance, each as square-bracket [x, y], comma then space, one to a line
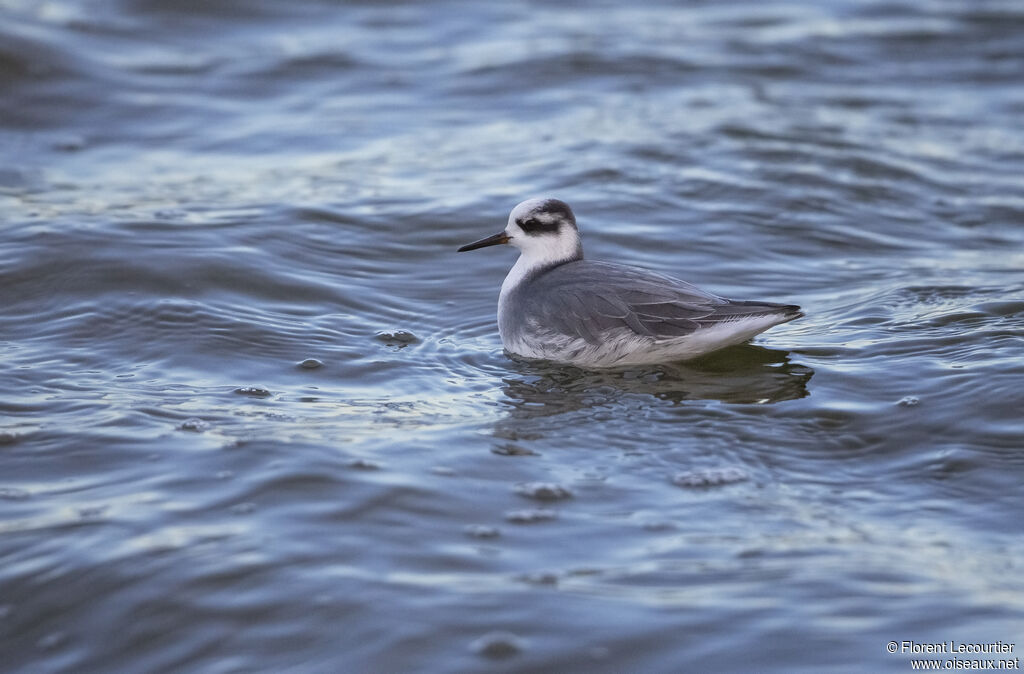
[530, 225]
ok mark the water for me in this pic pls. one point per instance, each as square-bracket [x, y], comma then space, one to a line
[255, 415]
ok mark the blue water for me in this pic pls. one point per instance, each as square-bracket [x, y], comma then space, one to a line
[254, 410]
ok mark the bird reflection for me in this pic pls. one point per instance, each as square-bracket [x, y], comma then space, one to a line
[744, 374]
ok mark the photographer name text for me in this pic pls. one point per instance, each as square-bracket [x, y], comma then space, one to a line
[952, 647]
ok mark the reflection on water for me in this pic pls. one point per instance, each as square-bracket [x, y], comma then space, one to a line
[744, 374]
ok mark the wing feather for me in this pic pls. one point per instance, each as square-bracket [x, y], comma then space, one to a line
[587, 299]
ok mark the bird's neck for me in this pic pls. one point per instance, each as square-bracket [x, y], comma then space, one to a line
[532, 263]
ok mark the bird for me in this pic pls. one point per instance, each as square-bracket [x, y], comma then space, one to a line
[557, 306]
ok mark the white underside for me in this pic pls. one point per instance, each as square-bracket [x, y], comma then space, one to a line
[624, 347]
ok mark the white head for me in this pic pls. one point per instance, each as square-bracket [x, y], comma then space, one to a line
[544, 230]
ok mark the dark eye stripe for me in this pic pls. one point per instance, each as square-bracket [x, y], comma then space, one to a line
[535, 226]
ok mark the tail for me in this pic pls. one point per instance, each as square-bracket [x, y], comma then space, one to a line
[790, 312]
[735, 310]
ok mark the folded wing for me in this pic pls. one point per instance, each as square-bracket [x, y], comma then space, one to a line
[588, 299]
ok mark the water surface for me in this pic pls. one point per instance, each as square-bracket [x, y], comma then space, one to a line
[254, 412]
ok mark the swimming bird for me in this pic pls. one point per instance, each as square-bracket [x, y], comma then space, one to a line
[555, 305]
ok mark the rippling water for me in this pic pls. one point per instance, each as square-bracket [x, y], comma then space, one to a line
[255, 414]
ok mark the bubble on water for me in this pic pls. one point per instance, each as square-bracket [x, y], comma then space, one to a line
[481, 531]
[225, 474]
[324, 599]
[498, 645]
[13, 494]
[364, 464]
[908, 401]
[51, 641]
[709, 477]
[169, 214]
[92, 512]
[543, 491]
[69, 143]
[253, 391]
[952, 463]
[540, 578]
[243, 508]
[512, 450]
[311, 364]
[193, 424]
[530, 516]
[444, 471]
[398, 339]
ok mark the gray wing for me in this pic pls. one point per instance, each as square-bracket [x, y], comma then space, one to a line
[587, 298]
